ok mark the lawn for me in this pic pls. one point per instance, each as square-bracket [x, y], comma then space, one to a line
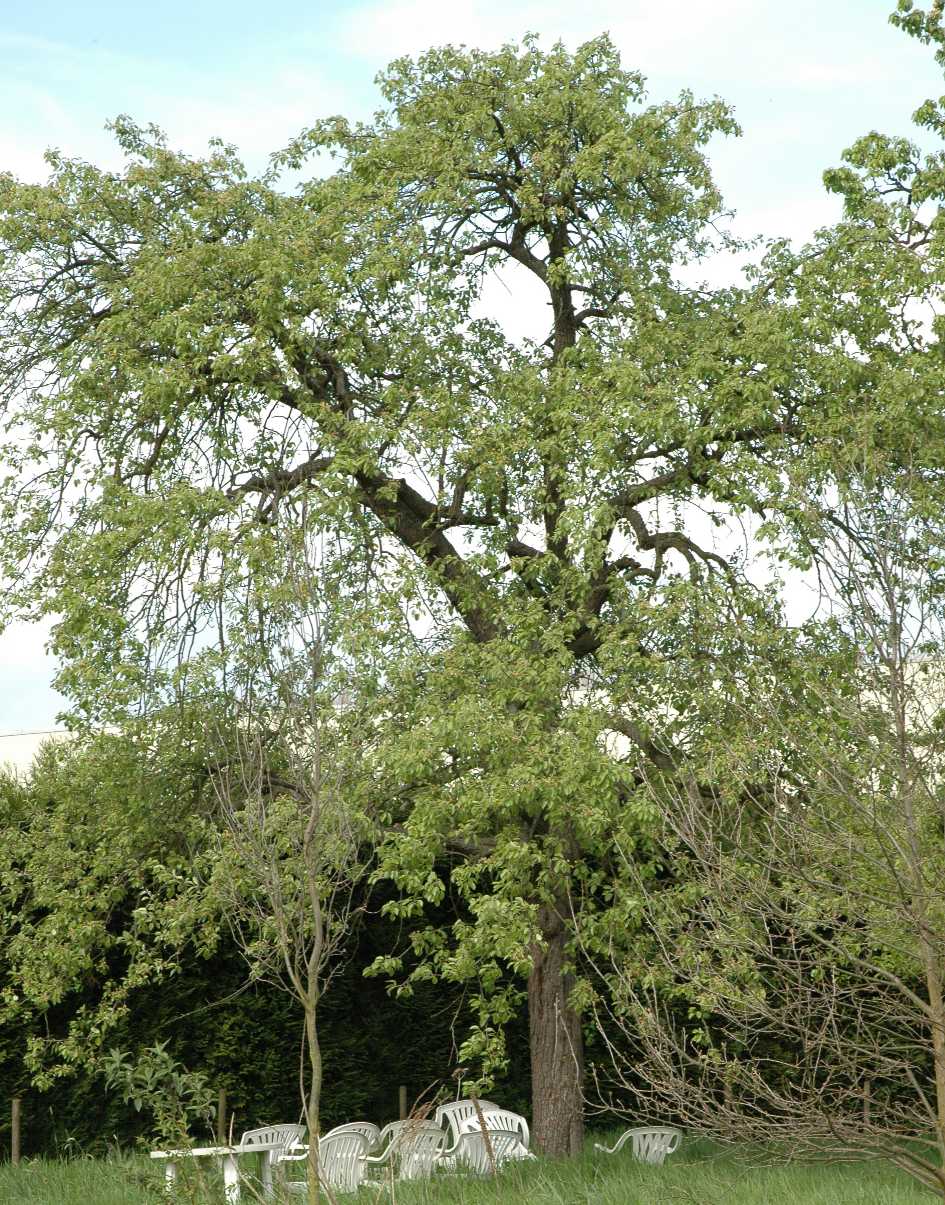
[695, 1176]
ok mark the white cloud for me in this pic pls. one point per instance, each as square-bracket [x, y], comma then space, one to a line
[26, 699]
[84, 88]
[23, 645]
[384, 30]
[518, 301]
[865, 70]
[258, 117]
[714, 45]
[719, 41]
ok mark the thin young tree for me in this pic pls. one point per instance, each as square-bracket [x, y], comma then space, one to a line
[292, 843]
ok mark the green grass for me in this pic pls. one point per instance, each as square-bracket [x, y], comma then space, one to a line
[694, 1176]
[79, 1182]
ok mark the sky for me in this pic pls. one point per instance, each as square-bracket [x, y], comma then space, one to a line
[806, 77]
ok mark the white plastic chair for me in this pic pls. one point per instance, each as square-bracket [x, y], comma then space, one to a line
[411, 1147]
[650, 1144]
[470, 1149]
[287, 1135]
[341, 1160]
[456, 1111]
[504, 1118]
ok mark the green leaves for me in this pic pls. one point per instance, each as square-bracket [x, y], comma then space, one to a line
[96, 883]
[156, 1082]
[228, 408]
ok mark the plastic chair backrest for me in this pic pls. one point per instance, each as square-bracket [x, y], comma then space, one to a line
[370, 1131]
[391, 1133]
[471, 1146]
[341, 1159]
[287, 1135]
[418, 1147]
[505, 1119]
[651, 1144]
[456, 1111]
[413, 1145]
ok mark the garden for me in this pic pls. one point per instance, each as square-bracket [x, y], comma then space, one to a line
[500, 617]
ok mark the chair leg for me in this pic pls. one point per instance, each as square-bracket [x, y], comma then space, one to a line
[231, 1180]
[265, 1176]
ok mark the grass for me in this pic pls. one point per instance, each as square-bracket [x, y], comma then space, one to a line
[695, 1176]
[112, 1181]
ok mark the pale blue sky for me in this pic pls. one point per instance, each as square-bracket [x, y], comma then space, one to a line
[806, 78]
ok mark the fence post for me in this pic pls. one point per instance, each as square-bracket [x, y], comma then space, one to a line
[15, 1114]
[221, 1117]
[402, 1101]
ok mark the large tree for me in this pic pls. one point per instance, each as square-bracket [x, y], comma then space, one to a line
[203, 372]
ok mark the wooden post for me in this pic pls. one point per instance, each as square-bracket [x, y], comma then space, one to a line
[221, 1117]
[402, 1095]
[15, 1115]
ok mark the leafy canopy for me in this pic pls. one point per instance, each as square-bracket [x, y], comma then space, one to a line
[208, 381]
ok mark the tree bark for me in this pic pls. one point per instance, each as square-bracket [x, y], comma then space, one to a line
[312, 1102]
[556, 1043]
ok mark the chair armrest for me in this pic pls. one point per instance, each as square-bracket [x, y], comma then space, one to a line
[384, 1154]
[295, 1154]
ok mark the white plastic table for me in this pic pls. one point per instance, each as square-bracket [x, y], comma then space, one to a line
[228, 1156]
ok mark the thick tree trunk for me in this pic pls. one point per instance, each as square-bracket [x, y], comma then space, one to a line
[557, 1047]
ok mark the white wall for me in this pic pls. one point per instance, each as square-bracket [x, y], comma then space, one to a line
[17, 749]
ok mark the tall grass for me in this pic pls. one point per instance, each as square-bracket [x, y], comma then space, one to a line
[694, 1176]
[111, 1181]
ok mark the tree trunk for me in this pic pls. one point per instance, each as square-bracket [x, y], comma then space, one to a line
[312, 1102]
[557, 1045]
